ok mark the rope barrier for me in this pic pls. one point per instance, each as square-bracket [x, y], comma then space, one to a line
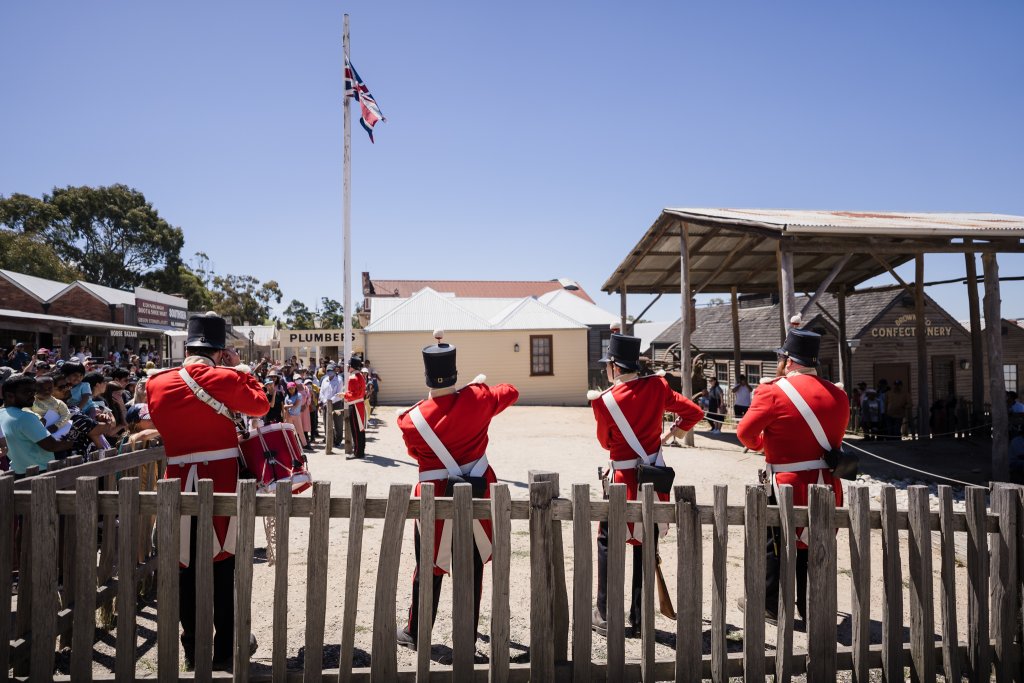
[913, 469]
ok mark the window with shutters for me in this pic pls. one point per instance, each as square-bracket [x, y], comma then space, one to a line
[541, 356]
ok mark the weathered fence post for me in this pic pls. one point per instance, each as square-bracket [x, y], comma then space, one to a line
[689, 588]
[463, 552]
[316, 582]
[1005, 588]
[202, 560]
[501, 558]
[84, 615]
[282, 528]
[821, 584]
[127, 589]
[754, 526]
[357, 512]
[542, 652]
[168, 530]
[384, 661]
[720, 548]
[950, 641]
[44, 580]
[892, 607]
[978, 640]
[860, 566]
[919, 562]
[649, 566]
[560, 605]
[787, 585]
[616, 576]
[582, 583]
[425, 625]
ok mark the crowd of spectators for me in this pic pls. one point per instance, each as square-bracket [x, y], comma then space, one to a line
[298, 393]
[53, 408]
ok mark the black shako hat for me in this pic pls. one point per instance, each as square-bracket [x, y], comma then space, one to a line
[208, 331]
[439, 364]
[802, 346]
[624, 351]
[355, 362]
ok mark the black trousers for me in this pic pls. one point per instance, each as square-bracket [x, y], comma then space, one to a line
[338, 417]
[637, 596]
[314, 422]
[358, 435]
[223, 604]
[412, 623]
[771, 593]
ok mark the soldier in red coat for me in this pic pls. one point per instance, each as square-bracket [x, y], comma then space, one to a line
[775, 425]
[447, 436]
[629, 418]
[201, 442]
[355, 400]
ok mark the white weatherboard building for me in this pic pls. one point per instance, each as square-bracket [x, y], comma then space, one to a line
[523, 341]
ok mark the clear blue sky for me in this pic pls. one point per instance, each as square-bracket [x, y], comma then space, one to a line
[526, 140]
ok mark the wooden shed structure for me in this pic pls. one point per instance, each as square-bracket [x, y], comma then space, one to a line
[694, 250]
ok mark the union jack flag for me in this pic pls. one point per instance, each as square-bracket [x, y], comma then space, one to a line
[357, 90]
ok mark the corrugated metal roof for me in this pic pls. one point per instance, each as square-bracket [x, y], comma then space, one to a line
[41, 288]
[867, 222]
[577, 309]
[531, 314]
[429, 310]
[108, 294]
[738, 247]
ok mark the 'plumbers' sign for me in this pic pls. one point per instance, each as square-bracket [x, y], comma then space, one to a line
[313, 337]
[905, 326]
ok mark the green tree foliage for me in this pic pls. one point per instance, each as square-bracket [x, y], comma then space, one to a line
[23, 244]
[177, 278]
[30, 254]
[333, 314]
[244, 298]
[108, 235]
[298, 316]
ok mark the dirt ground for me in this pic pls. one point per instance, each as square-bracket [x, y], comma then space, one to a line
[522, 439]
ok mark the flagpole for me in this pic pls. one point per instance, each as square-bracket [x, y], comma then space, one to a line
[347, 258]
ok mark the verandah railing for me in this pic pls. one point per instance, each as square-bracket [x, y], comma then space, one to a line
[993, 587]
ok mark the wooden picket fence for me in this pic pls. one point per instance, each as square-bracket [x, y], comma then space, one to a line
[560, 640]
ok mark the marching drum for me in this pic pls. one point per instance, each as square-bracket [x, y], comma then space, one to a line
[270, 453]
[301, 478]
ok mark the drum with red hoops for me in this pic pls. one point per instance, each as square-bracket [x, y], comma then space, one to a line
[301, 478]
[270, 454]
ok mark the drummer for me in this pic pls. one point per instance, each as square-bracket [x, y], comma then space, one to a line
[202, 443]
[447, 435]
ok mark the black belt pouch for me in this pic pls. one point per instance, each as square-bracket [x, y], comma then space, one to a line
[479, 485]
[660, 476]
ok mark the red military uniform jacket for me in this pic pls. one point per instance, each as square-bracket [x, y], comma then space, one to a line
[460, 421]
[355, 396]
[643, 402]
[199, 442]
[774, 425]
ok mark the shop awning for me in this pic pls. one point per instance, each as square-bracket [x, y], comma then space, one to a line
[165, 328]
[77, 322]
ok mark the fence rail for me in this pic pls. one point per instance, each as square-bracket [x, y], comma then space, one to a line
[61, 597]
